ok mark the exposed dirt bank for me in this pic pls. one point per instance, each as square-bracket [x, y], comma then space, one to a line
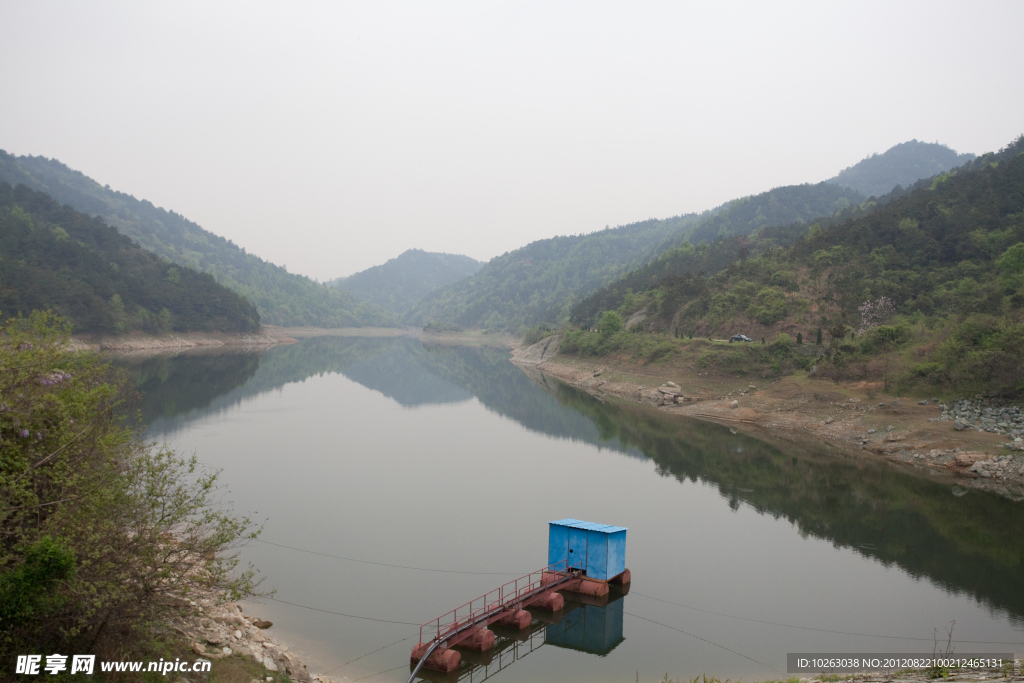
[464, 338]
[857, 418]
[144, 343]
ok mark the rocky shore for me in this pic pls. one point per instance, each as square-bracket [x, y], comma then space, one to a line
[216, 631]
[992, 415]
[855, 418]
[1010, 673]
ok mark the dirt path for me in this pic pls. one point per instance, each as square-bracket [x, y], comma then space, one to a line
[858, 419]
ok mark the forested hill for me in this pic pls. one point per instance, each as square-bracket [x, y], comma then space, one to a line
[402, 281]
[934, 279]
[542, 280]
[707, 258]
[903, 165]
[53, 257]
[282, 298]
[780, 206]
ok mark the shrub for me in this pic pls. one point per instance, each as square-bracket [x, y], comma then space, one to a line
[101, 535]
[769, 306]
[884, 338]
[610, 323]
[535, 334]
[441, 326]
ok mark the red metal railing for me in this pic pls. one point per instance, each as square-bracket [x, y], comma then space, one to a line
[509, 596]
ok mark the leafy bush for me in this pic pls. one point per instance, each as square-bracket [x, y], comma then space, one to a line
[885, 338]
[441, 326]
[100, 534]
[535, 334]
[770, 306]
[611, 322]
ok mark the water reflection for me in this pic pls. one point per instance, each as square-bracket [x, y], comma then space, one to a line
[969, 544]
[589, 625]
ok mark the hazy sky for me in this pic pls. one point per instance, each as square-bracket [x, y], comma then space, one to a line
[332, 136]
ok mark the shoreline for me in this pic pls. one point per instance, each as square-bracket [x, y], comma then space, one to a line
[141, 344]
[854, 419]
[137, 343]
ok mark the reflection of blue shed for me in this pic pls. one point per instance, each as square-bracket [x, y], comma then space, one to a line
[589, 628]
[600, 548]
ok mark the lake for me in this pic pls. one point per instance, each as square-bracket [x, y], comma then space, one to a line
[397, 481]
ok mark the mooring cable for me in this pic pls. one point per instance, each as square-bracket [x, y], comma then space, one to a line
[637, 616]
[370, 653]
[401, 666]
[385, 564]
[342, 614]
[810, 628]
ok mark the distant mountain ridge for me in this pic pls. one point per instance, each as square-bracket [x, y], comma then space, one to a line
[903, 164]
[402, 281]
[282, 298]
[542, 281]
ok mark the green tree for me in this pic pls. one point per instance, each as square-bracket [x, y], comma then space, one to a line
[769, 306]
[119, 314]
[100, 534]
[610, 323]
[1012, 260]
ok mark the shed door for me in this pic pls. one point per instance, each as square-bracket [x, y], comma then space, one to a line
[578, 547]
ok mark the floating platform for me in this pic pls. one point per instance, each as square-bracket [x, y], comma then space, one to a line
[585, 560]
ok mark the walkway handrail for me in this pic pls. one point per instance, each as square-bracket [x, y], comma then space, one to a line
[509, 596]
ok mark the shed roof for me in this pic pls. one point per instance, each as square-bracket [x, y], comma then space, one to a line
[589, 526]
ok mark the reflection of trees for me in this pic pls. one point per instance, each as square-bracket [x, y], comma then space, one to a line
[969, 544]
[172, 385]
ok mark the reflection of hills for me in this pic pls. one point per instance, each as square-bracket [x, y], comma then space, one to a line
[186, 384]
[503, 388]
[969, 544]
[180, 389]
[183, 388]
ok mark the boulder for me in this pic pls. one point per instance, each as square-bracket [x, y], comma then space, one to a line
[540, 352]
[734, 404]
[968, 459]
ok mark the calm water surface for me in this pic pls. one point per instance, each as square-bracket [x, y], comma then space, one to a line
[452, 458]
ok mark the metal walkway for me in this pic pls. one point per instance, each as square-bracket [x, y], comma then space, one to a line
[453, 626]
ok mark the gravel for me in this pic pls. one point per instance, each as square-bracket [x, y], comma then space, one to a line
[993, 415]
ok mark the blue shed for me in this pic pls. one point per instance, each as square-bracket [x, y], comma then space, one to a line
[601, 548]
